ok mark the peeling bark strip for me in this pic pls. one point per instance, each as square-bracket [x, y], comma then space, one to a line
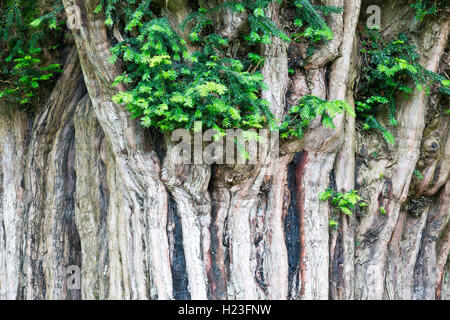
[93, 199]
[81, 183]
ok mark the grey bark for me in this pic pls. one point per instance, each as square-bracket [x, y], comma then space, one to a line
[83, 184]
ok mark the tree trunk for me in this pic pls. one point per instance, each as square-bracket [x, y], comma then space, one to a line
[83, 184]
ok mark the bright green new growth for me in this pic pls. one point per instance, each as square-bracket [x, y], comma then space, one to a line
[169, 88]
[300, 116]
[389, 69]
[418, 174]
[173, 89]
[345, 203]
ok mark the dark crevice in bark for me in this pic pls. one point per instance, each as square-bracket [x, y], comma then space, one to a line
[178, 262]
[157, 143]
[300, 194]
[194, 5]
[68, 225]
[337, 262]
[328, 78]
[259, 242]
[292, 228]
[427, 279]
[218, 281]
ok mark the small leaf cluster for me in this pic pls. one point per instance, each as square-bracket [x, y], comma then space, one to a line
[51, 18]
[26, 77]
[23, 40]
[426, 7]
[345, 203]
[133, 10]
[418, 174]
[262, 28]
[314, 27]
[309, 107]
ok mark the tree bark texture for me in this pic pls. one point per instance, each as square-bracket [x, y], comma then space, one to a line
[81, 183]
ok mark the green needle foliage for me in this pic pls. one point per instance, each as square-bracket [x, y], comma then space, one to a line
[169, 88]
[418, 174]
[23, 40]
[300, 116]
[345, 203]
[172, 89]
[390, 69]
[426, 7]
[315, 28]
[262, 28]
[26, 78]
[311, 24]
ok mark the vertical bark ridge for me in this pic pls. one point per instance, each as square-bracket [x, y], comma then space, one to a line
[341, 88]
[433, 253]
[249, 252]
[236, 193]
[221, 203]
[145, 202]
[274, 256]
[188, 185]
[92, 202]
[376, 229]
[404, 248]
[312, 174]
[50, 238]
[13, 136]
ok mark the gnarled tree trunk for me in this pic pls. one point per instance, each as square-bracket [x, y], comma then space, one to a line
[81, 183]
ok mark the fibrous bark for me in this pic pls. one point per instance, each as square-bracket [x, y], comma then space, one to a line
[81, 183]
